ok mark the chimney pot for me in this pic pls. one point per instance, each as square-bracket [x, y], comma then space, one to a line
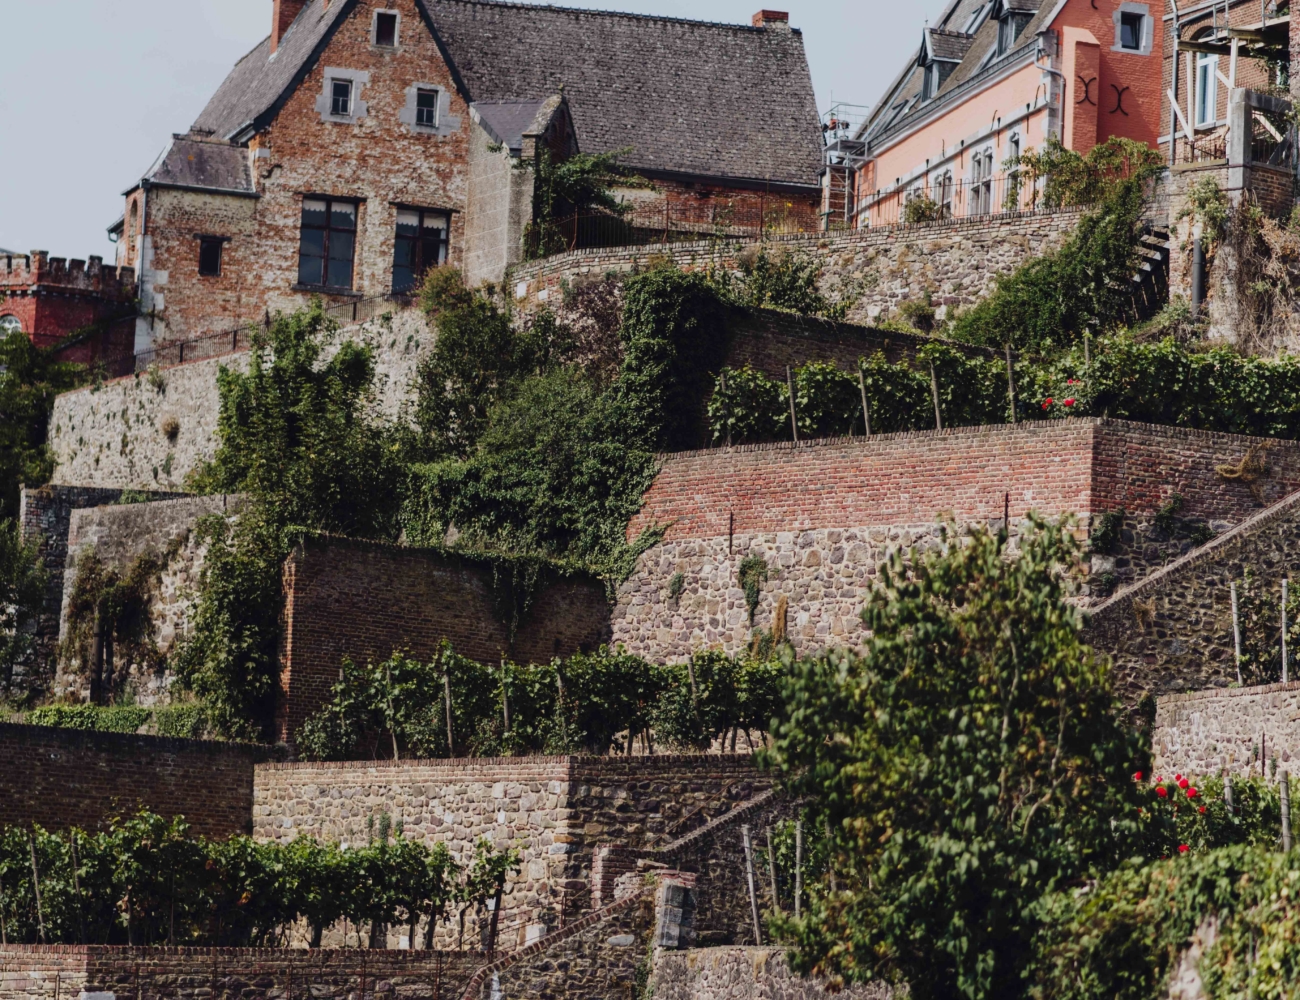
[771, 19]
[283, 14]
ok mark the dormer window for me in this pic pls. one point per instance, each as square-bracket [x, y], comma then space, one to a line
[386, 29]
[934, 74]
[1010, 27]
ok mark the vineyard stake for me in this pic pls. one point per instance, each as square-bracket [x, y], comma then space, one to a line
[771, 865]
[749, 875]
[1286, 812]
[1011, 384]
[826, 821]
[794, 420]
[726, 408]
[1227, 791]
[798, 865]
[446, 693]
[866, 410]
[934, 391]
[4, 931]
[1284, 663]
[36, 885]
[1236, 631]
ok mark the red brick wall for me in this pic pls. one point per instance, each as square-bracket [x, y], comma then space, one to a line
[346, 599]
[1070, 466]
[54, 297]
[64, 777]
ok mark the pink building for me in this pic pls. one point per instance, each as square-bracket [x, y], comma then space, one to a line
[993, 78]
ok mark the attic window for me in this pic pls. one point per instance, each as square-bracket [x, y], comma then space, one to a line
[1010, 27]
[1130, 31]
[386, 30]
[426, 108]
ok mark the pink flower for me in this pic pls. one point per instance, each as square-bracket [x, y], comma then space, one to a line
[1069, 381]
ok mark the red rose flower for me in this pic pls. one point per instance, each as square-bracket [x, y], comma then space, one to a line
[1202, 808]
[1191, 793]
[1138, 776]
[1183, 782]
[1161, 791]
[1069, 381]
[1069, 402]
[1048, 402]
[1183, 848]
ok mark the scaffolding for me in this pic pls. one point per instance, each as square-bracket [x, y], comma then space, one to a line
[845, 155]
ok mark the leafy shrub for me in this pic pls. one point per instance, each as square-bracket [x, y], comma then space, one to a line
[145, 880]
[923, 209]
[967, 764]
[104, 718]
[22, 589]
[782, 279]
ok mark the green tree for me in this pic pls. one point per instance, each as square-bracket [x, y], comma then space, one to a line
[967, 763]
[30, 378]
[22, 589]
[298, 440]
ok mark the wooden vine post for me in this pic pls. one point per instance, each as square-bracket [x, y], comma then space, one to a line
[749, 876]
[866, 410]
[1286, 812]
[1236, 631]
[36, 885]
[794, 420]
[934, 391]
[771, 869]
[798, 866]
[1285, 672]
[1011, 384]
[446, 694]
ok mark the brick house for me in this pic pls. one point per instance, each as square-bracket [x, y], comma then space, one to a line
[362, 142]
[991, 79]
[52, 298]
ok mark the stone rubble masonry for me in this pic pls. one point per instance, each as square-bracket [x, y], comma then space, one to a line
[61, 972]
[150, 430]
[45, 517]
[59, 778]
[825, 514]
[751, 973]
[554, 810]
[1206, 733]
[875, 269]
[1173, 631]
[120, 534]
[348, 599]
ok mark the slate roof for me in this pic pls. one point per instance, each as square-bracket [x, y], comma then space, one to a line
[687, 97]
[507, 121]
[202, 163]
[949, 46]
[902, 105]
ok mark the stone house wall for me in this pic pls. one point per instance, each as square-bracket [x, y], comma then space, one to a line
[553, 809]
[734, 973]
[347, 599]
[150, 430]
[1237, 730]
[873, 269]
[66, 777]
[1172, 632]
[825, 514]
[57, 972]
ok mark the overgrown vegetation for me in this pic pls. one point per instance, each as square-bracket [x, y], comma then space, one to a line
[145, 880]
[181, 719]
[22, 588]
[588, 703]
[297, 440]
[1063, 178]
[778, 278]
[580, 184]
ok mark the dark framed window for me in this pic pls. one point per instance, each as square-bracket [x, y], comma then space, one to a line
[210, 256]
[422, 238]
[1010, 29]
[341, 98]
[1130, 31]
[328, 242]
[426, 108]
[386, 30]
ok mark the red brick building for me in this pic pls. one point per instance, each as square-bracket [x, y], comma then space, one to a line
[365, 140]
[52, 298]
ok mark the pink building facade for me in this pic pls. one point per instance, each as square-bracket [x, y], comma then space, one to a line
[991, 80]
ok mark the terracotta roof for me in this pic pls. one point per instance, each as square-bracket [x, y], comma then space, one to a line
[686, 97]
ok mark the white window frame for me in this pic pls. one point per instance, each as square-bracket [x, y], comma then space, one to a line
[9, 323]
[445, 123]
[359, 79]
[1147, 41]
[1206, 111]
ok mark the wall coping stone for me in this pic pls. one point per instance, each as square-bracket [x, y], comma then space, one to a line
[1210, 694]
[467, 763]
[154, 744]
[980, 430]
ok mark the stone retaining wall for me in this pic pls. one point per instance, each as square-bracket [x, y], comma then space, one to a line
[150, 430]
[825, 514]
[553, 809]
[875, 270]
[1236, 730]
[742, 974]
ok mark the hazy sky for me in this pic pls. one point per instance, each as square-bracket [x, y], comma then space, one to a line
[94, 90]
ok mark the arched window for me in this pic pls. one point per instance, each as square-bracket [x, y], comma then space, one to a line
[10, 324]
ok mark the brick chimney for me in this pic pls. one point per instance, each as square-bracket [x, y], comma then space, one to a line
[282, 15]
[777, 19]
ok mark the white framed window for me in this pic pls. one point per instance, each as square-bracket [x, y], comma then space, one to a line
[943, 191]
[10, 324]
[426, 108]
[341, 98]
[1134, 29]
[1207, 90]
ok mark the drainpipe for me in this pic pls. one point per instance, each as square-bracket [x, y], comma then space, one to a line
[1038, 54]
[1173, 115]
[1198, 270]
